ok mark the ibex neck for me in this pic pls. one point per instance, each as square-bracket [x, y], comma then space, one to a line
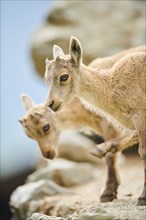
[94, 87]
[76, 115]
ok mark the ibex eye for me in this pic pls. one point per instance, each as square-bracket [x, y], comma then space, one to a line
[64, 77]
[46, 128]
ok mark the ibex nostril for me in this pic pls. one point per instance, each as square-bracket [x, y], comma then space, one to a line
[50, 154]
[51, 104]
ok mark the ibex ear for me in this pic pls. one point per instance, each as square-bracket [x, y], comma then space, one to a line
[57, 52]
[27, 101]
[75, 51]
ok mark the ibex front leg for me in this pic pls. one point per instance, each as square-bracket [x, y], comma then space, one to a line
[112, 183]
[115, 145]
[142, 197]
[142, 152]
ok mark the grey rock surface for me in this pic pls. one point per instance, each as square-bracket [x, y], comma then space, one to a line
[95, 213]
[64, 172]
[95, 216]
[72, 142]
[38, 216]
[35, 191]
[84, 201]
[87, 216]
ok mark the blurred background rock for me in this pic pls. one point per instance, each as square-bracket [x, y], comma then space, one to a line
[28, 31]
[103, 28]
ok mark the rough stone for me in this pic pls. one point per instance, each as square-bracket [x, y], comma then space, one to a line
[72, 142]
[35, 191]
[84, 202]
[101, 26]
[38, 216]
[64, 172]
[87, 216]
[95, 216]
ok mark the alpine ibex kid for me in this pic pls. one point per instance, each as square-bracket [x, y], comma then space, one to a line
[45, 126]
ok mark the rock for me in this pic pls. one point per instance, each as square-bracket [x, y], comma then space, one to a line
[28, 198]
[65, 173]
[84, 203]
[95, 216]
[101, 26]
[23, 195]
[38, 216]
[72, 142]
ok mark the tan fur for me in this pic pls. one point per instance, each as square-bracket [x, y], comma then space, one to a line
[119, 89]
[75, 114]
[108, 62]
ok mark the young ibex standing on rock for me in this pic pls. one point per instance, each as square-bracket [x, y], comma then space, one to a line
[45, 126]
[119, 90]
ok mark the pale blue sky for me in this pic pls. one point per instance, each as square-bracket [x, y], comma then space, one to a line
[18, 22]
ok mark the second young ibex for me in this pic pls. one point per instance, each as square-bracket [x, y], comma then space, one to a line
[45, 126]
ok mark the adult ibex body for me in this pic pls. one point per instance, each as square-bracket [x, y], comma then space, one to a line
[119, 90]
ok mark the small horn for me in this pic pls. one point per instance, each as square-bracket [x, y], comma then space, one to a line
[47, 60]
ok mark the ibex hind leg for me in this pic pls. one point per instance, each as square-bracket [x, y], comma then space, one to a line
[142, 152]
[141, 129]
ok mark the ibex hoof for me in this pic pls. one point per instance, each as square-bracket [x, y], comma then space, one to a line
[108, 197]
[141, 201]
[97, 152]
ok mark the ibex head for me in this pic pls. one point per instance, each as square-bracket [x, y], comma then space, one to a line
[63, 74]
[40, 124]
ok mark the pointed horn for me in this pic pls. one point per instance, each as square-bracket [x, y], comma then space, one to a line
[47, 61]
